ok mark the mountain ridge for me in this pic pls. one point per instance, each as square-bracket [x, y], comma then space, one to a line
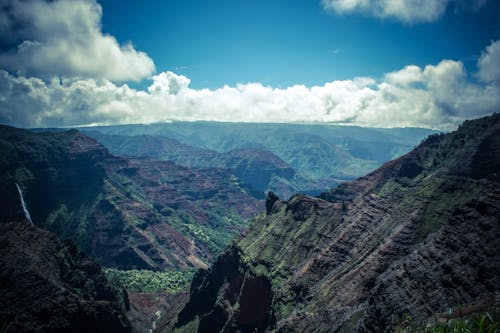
[318, 152]
[413, 238]
[260, 169]
[126, 213]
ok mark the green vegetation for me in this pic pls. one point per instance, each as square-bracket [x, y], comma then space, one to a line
[488, 322]
[151, 281]
[444, 198]
[221, 230]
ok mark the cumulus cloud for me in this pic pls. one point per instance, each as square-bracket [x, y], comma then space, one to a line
[43, 38]
[436, 96]
[489, 63]
[169, 83]
[61, 70]
[409, 11]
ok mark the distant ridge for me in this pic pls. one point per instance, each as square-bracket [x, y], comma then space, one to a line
[321, 156]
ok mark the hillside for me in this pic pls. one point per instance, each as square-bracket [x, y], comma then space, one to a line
[416, 237]
[260, 169]
[322, 153]
[48, 286]
[126, 213]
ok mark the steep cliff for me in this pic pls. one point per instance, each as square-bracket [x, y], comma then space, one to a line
[126, 213]
[48, 286]
[412, 239]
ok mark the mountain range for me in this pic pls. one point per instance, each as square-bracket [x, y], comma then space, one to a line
[283, 158]
[259, 169]
[409, 241]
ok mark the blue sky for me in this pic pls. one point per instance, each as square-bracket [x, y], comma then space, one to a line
[381, 63]
[281, 43]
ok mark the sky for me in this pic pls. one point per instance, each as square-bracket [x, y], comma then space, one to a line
[382, 63]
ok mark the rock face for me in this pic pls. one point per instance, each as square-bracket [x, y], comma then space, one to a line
[46, 286]
[461, 261]
[414, 238]
[146, 308]
[227, 277]
[125, 213]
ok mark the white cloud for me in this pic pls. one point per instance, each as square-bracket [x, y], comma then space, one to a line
[64, 38]
[169, 83]
[408, 11]
[64, 67]
[410, 74]
[489, 63]
[435, 96]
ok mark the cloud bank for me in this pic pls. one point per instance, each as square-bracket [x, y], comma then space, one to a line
[57, 68]
[436, 96]
[408, 11]
[489, 63]
[64, 38]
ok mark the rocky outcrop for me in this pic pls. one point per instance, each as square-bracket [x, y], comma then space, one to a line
[271, 199]
[47, 286]
[247, 305]
[414, 238]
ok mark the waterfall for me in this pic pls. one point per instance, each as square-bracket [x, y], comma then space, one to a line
[23, 204]
[153, 327]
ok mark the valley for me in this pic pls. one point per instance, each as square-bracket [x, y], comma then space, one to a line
[156, 212]
[325, 166]
[126, 213]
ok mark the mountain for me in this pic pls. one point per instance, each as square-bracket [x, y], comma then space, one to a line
[407, 242]
[48, 286]
[126, 213]
[322, 153]
[260, 169]
[155, 147]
